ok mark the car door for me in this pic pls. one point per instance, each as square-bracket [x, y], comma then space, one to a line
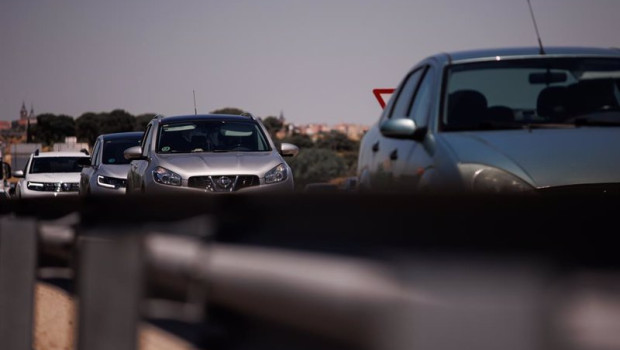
[388, 153]
[410, 157]
[87, 174]
[138, 168]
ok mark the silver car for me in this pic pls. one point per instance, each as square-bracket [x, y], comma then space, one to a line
[106, 171]
[513, 120]
[208, 154]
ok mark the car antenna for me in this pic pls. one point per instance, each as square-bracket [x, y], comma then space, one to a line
[195, 110]
[542, 50]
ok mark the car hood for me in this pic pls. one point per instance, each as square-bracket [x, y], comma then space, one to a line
[114, 170]
[54, 177]
[544, 157]
[228, 163]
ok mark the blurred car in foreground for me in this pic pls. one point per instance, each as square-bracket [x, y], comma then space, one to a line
[50, 174]
[106, 171]
[208, 154]
[500, 121]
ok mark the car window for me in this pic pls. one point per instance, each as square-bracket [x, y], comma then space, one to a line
[113, 150]
[403, 99]
[422, 100]
[211, 136]
[55, 165]
[96, 151]
[147, 140]
[511, 93]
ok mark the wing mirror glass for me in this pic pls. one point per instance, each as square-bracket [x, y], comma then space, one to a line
[288, 150]
[402, 128]
[133, 153]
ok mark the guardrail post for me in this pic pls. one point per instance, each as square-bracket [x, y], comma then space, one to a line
[109, 287]
[18, 260]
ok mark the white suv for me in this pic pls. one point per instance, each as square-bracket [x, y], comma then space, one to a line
[50, 174]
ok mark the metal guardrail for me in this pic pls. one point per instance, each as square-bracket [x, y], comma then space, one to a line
[468, 281]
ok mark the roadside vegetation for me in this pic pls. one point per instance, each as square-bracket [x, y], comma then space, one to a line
[326, 157]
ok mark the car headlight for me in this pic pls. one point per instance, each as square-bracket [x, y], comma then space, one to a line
[35, 186]
[166, 177]
[277, 174]
[485, 179]
[111, 182]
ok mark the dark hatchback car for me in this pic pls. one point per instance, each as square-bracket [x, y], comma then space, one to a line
[514, 120]
[106, 172]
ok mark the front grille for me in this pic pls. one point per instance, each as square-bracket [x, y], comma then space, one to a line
[223, 183]
[54, 186]
[605, 188]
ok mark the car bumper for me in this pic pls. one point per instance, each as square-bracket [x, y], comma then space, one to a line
[284, 186]
[39, 194]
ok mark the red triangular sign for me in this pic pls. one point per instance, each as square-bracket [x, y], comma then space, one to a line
[379, 94]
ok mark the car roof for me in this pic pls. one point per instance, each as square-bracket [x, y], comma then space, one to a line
[122, 135]
[524, 52]
[60, 154]
[215, 117]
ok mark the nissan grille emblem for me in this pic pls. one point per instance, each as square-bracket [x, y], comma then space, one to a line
[224, 181]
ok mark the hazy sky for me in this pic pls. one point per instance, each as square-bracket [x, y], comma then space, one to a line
[314, 60]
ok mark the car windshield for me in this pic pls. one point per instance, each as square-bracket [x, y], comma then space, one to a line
[211, 136]
[113, 150]
[545, 92]
[55, 165]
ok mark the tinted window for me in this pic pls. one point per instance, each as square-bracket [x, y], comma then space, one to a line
[211, 136]
[97, 150]
[421, 103]
[147, 138]
[55, 165]
[113, 150]
[505, 94]
[403, 100]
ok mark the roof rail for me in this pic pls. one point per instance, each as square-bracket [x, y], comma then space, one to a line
[36, 152]
[85, 151]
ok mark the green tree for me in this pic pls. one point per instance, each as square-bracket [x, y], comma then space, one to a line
[273, 125]
[52, 128]
[228, 110]
[336, 141]
[142, 121]
[300, 140]
[87, 127]
[116, 121]
[316, 165]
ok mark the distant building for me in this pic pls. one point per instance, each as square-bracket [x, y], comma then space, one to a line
[70, 144]
[25, 117]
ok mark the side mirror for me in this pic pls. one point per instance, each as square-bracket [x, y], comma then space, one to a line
[133, 153]
[18, 173]
[403, 128]
[84, 162]
[288, 150]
